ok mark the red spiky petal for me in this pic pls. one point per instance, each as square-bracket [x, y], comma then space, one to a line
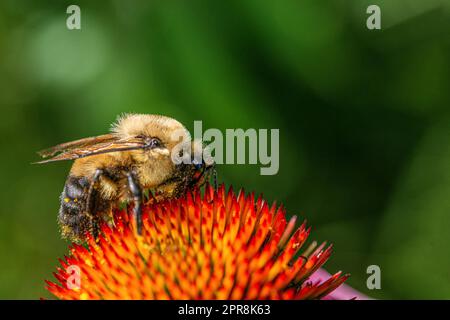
[216, 246]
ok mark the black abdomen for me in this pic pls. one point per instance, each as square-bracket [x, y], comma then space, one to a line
[73, 217]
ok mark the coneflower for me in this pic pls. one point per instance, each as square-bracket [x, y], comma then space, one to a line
[218, 245]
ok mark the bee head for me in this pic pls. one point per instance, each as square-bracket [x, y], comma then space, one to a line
[159, 134]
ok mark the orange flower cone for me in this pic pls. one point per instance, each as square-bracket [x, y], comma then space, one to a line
[212, 246]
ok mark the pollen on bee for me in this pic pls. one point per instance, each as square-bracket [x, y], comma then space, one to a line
[66, 200]
[75, 200]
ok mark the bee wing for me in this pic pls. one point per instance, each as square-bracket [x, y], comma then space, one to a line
[86, 142]
[90, 147]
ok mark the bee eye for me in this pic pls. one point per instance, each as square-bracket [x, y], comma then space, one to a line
[150, 142]
[154, 143]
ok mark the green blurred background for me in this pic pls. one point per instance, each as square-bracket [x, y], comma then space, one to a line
[363, 115]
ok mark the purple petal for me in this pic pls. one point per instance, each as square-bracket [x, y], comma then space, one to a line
[343, 292]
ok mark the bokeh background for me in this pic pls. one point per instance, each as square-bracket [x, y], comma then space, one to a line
[363, 115]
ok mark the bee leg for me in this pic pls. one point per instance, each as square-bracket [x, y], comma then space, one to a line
[211, 171]
[90, 202]
[136, 191]
[214, 172]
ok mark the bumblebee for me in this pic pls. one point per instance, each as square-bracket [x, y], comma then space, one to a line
[137, 155]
